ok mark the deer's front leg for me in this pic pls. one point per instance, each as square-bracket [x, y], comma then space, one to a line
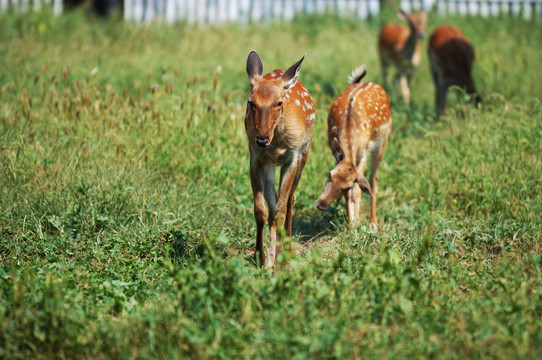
[271, 198]
[260, 212]
[352, 199]
[405, 90]
[291, 201]
[287, 179]
[441, 98]
[440, 90]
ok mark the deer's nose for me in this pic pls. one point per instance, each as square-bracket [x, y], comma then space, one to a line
[262, 141]
[320, 205]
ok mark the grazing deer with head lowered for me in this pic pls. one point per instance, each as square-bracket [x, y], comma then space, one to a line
[451, 58]
[400, 46]
[279, 121]
[359, 123]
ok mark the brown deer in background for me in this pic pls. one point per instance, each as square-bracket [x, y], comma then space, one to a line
[451, 58]
[400, 46]
[279, 121]
[359, 123]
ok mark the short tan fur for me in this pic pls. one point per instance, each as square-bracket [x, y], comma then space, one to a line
[359, 123]
[279, 121]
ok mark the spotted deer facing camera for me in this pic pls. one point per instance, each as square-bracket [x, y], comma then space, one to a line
[279, 121]
[400, 46]
[451, 56]
[359, 123]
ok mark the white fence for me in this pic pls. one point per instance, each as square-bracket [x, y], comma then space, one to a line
[526, 8]
[217, 11]
[243, 11]
[26, 5]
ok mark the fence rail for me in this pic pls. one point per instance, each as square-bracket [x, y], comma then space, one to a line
[218, 11]
[526, 8]
[243, 11]
[26, 5]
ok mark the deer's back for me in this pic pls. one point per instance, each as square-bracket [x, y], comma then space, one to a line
[359, 115]
[451, 53]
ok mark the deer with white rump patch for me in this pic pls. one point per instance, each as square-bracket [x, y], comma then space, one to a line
[400, 46]
[279, 121]
[359, 123]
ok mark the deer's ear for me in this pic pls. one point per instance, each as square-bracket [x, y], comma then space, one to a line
[254, 67]
[336, 149]
[364, 185]
[289, 78]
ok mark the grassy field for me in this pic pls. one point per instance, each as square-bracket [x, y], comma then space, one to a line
[126, 223]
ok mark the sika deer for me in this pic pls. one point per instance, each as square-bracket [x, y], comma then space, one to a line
[358, 125]
[451, 58]
[279, 122]
[401, 46]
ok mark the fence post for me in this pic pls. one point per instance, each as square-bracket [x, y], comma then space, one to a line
[537, 10]
[57, 7]
[170, 11]
[128, 8]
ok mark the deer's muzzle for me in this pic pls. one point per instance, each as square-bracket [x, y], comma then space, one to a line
[262, 141]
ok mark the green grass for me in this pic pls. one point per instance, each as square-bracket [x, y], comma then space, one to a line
[126, 222]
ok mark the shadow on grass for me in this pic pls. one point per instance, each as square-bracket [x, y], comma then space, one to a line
[310, 225]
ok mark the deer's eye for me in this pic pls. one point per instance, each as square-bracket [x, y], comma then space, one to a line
[279, 104]
[251, 105]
